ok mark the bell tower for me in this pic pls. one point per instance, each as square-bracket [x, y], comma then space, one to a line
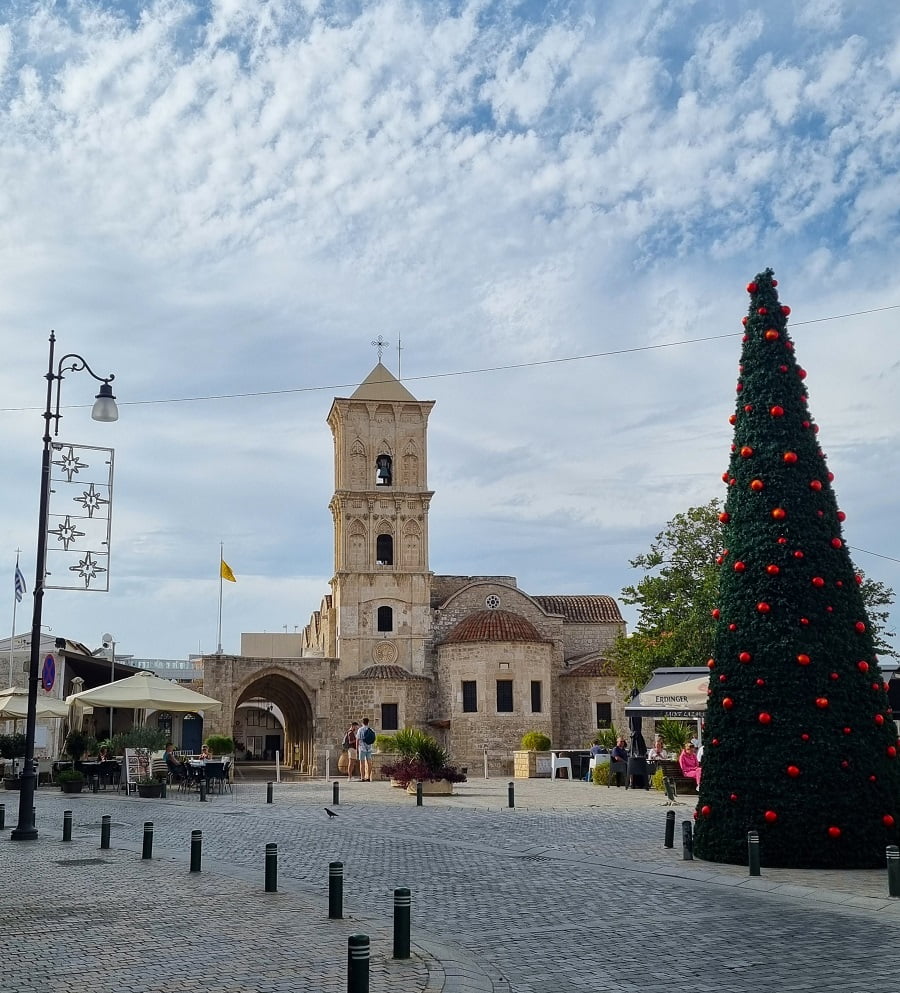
[381, 587]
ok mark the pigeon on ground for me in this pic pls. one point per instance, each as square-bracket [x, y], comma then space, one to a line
[330, 813]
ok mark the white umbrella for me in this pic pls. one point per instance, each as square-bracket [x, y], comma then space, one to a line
[14, 705]
[145, 691]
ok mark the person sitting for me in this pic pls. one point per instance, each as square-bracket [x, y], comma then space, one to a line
[174, 765]
[103, 755]
[596, 749]
[205, 753]
[658, 751]
[689, 763]
[618, 754]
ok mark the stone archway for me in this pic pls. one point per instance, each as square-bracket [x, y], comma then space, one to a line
[292, 698]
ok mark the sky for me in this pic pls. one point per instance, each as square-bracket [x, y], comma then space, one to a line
[554, 207]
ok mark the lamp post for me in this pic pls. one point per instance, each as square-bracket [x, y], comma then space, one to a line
[110, 642]
[104, 409]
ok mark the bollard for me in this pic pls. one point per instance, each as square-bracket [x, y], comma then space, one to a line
[269, 792]
[670, 829]
[271, 867]
[336, 794]
[104, 831]
[335, 891]
[196, 850]
[67, 825]
[753, 852]
[511, 794]
[95, 784]
[402, 910]
[419, 793]
[893, 868]
[203, 791]
[147, 852]
[358, 963]
[162, 791]
[687, 841]
[2, 816]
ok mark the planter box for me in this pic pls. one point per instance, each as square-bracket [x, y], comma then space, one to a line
[12, 782]
[72, 786]
[439, 787]
[531, 765]
[150, 791]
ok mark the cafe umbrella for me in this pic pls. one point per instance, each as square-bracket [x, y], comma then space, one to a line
[14, 705]
[145, 691]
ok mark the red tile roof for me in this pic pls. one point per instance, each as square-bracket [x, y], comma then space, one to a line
[386, 672]
[582, 609]
[493, 625]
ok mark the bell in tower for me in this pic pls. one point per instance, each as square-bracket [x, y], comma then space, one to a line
[383, 470]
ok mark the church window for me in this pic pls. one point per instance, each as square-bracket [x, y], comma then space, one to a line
[383, 470]
[604, 715]
[536, 696]
[384, 550]
[504, 696]
[385, 619]
[469, 696]
[492, 601]
[390, 720]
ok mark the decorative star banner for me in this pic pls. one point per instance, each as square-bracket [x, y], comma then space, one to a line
[79, 518]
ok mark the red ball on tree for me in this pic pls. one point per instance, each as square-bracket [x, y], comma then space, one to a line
[715, 741]
[752, 287]
[748, 408]
[879, 719]
[822, 702]
[739, 386]
[804, 424]
[764, 718]
[724, 517]
[785, 310]
[732, 419]
[859, 627]
[760, 682]
[845, 764]
[835, 676]
[773, 570]
[789, 457]
[782, 368]
[801, 373]
[711, 663]
[745, 657]
[782, 540]
[756, 485]
[834, 832]
[803, 659]
[858, 579]
[746, 451]
[733, 797]
[818, 581]
[776, 411]
[771, 335]
[891, 751]
[732, 626]
[739, 566]
[793, 771]
[727, 703]
[744, 321]
[716, 612]
[887, 821]
[815, 485]
[848, 730]
[762, 311]
[804, 737]
[863, 666]
[723, 678]
[762, 607]
[770, 816]
[804, 621]
[706, 810]
[841, 516]
[798, 554]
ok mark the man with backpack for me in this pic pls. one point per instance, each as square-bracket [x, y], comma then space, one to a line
[365, 739]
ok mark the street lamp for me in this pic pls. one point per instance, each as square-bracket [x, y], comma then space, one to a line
[104, 409]
[110, 642]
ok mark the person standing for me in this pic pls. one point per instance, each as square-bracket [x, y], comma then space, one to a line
[365, 739]
[349, 743]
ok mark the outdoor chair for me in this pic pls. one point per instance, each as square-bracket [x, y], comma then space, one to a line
[616, 769]
[557, 763]
[215, 777]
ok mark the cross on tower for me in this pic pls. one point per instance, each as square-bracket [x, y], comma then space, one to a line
[381, 344]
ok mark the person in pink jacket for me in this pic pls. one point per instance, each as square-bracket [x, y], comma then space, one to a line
[690, 766]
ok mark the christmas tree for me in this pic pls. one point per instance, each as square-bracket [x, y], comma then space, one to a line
[800, 744]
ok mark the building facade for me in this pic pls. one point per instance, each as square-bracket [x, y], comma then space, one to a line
[474, 660]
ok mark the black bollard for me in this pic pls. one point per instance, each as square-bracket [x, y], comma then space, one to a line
[511, 795]
[402, 910]
[358, 963]
[104, 831]
[670, 829]
[147, 852]
[753, 852]
[687, 841]
[203, 791]
[336, 794]
[270, 792]
[335, 890]
[893, 870]
[196, 850]
[419, 793]
[2, 816]
[67, 825]
[271, 867]
[95, 785]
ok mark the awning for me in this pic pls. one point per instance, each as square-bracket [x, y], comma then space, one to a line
[677, 692]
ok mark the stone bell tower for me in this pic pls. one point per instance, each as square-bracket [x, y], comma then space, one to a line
[382, 584]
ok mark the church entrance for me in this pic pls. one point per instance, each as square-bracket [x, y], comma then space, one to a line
[274, 714]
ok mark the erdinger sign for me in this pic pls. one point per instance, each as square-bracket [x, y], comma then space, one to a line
[676, 692]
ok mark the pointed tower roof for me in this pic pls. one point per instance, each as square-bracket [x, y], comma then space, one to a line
[382, 384]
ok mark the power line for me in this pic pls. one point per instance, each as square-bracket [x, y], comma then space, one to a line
[878, 555]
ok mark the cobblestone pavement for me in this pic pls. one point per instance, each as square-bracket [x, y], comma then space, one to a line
[572, 890]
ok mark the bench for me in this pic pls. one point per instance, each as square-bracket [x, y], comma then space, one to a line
[672, 770]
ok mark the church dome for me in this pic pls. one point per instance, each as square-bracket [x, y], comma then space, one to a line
[493, 625]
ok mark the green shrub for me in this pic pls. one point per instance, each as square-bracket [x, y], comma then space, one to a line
[152, 739]
[535, 741]
[220, 744]
[78, 743]
[12, 746]
[674, 733]
[386, 743]
[600, 774]
[69, 776]
[607, 737]
[408, 742]
[656, 780]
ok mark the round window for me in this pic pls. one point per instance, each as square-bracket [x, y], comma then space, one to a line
[492, 602]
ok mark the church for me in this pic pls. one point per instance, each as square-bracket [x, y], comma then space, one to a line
[473, 660]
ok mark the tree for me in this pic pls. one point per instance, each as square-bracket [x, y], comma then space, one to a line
[800, 742]
[676, 599]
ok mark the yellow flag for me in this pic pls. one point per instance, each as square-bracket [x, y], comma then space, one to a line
[226, 572]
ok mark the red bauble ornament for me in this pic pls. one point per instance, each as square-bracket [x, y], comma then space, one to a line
[710, 663]
[739, 566]
[848, 730]
[728, 703]
[873, 779]
[859, 627]
[739, 386]
[733, 797]
[798, 554]
[801, 373]
[762, 311]
[782, 368]
[756, 485]
[745, 337]
[745, 657]
[804, 621]
[863, 666]
[829, 610]
[770, 816]
[804, 737]
[887, 821]
[785, 309]
[725, 477]
[804, 424]
[834, 832]
[706, 810]
[803, 659]
[774, 282]
[771, 335]
[782, 540]
[732, 626]
[723, 678]
[763, 607]
[845, 764]
[760, 682]
[748, 408]
[839, 584]
[879, 719]
[815, 485]
[818, 581]
[858, 579]
[776, 411]
[891, 752]
[752, 287]
[834, 676]
[744, 321]
[841, 516]
[779, 514]
[724, 517]
[836, 543]
[764, 718]
[789, 457]
[716, 613]
[792, 771]
[822, 702]
[746, 452]
[830, 477]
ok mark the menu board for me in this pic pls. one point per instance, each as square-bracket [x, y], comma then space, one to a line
[137, 766]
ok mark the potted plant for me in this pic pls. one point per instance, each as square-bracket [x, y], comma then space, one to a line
[220, 744]
[532, 758]
[151, 787]
[422, 760]
[70, 780]
[12, 746]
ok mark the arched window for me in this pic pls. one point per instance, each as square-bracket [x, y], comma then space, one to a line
[385, 619]
[383, 470]
[384, 550]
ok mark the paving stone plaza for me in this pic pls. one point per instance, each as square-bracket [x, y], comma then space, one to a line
[572, 890]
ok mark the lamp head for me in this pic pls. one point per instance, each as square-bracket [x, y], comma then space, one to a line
[107, 639]
[105, 408]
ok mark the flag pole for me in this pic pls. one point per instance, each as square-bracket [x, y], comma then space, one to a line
[221, 560]
[12, 636]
